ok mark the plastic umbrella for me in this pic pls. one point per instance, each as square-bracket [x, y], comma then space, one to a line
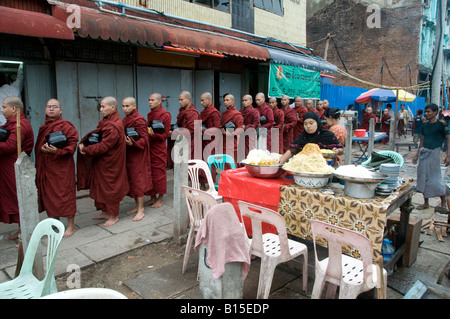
[382, 95]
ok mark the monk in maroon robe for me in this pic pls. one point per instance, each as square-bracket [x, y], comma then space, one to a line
[301, 110]
[158, 149]
[367, 115]
[9, 207]
[138, 156]
[55, 167]
[310, 107]
[210, 117]
[102, 166]
[231, 117]
[186, 117]
[251, 123]
[278, 122]
[290, 120]
[266, 111]
[386, 125]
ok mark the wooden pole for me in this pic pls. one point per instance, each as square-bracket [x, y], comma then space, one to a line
[19, 135]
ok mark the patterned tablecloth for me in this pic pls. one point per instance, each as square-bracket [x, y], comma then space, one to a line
[299, 205]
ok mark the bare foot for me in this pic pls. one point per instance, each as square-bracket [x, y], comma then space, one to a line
[134, 210]
[139, 216]
[69, 232]
[158, 203]
[101, 216]
[151, 201]
[111, 221]
[13, 236]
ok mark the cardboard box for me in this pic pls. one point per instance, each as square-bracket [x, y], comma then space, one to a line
[412, 236]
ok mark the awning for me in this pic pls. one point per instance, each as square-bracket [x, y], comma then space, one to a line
[107, 26]
[301, 60]
[33, 24]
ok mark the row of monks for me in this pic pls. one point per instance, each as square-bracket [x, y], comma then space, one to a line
[126, 156]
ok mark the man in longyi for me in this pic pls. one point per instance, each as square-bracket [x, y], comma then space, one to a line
[55, 167]
[138, 156]
[102, 166]
[158, 150]
[9, 207]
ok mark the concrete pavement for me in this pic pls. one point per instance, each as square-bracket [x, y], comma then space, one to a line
[93, 243]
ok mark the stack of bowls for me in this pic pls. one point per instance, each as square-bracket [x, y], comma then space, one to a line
[392, 171]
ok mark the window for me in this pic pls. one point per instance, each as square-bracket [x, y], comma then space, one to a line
[274, 6]
[222, 5]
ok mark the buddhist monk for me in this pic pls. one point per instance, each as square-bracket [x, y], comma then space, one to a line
[102, 166]
[266, 116]
[158, 149]
[138, 156]
[301, 110]
[210, 117]
[290, 120]
[55, 167]
[231, 117]
[9, 207]
[251, 123]
[310, 106]
[186, 117]
[278, 122]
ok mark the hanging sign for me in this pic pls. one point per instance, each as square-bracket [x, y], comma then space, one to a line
[293, 81]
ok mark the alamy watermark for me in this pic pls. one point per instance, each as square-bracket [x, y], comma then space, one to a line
[73, 21]
[374, 19]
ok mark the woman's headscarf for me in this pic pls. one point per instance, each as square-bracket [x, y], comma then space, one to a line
[322, 137]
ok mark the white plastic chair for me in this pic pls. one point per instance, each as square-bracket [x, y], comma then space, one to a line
[273, 249]
[198, 203]
[87, 293]
[26, 285]
[352, 275]
[194, 168]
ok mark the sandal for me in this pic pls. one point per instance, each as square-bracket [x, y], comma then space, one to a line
[422, 207]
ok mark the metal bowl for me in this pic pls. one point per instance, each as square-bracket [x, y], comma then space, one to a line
[311, 180]
[264, 171]
[329, 155]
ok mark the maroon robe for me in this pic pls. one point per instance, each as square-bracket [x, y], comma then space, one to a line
[386, 127]
[278, 122]
[298, 128]
[210, 117]
[234, 116]
[9, 207]
[265, 110]
[290, 120]
[251, 120]
[138, 156]
[158, 151]
[103, 169]
[366, 118]
[55, 173]
[186, 119]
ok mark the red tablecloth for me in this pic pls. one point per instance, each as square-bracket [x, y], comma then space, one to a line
[238, 184]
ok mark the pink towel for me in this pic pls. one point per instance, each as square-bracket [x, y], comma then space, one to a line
[225, 238]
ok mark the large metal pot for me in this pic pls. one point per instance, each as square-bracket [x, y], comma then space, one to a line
[264, 171]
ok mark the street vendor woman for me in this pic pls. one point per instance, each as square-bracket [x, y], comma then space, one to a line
[313, 133]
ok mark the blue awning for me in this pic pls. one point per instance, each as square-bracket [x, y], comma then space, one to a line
[301, 60]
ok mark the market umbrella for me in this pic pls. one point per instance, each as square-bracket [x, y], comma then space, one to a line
[404, 96]
[382, 95]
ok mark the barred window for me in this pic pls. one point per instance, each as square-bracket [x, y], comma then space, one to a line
[274, 6]
[222, 5]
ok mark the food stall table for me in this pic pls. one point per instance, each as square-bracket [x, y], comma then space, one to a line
[238, 184]
[361, 140]
[299, 205]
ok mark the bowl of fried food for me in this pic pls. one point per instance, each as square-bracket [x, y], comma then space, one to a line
[328, 153]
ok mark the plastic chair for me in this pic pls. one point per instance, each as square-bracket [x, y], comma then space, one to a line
[398, 159]
[219, 161]
[273, 249]
[194, 168]
[198, 203]
[87, 293]
[26, 285]
[354, 276]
